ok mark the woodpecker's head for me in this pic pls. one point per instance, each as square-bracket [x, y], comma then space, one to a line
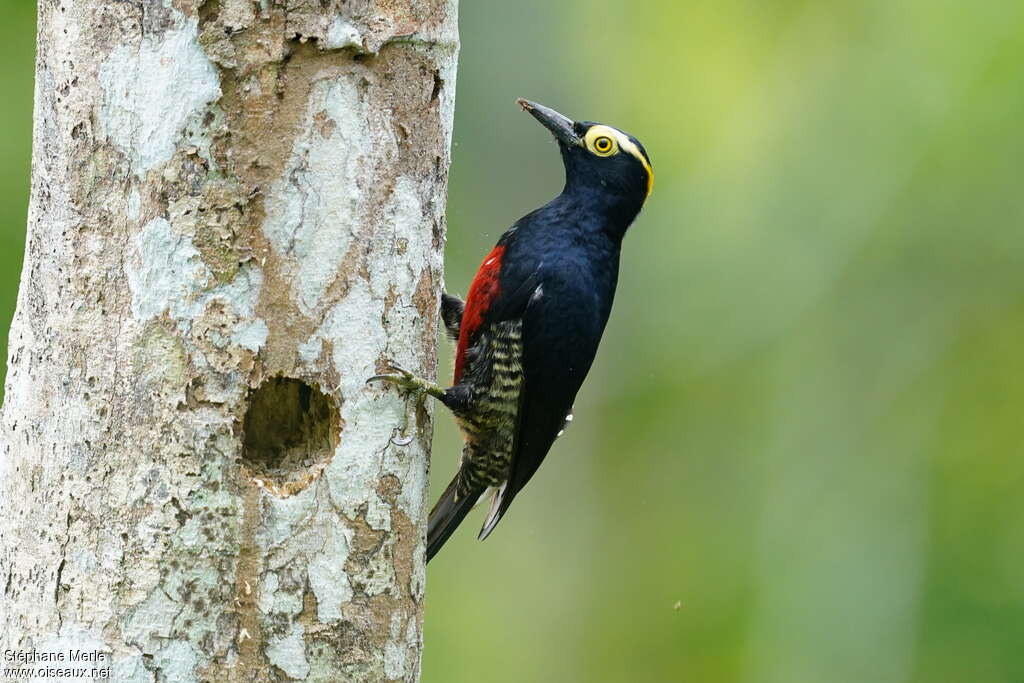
[598, 158]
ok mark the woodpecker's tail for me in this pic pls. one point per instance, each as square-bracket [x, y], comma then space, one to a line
[451, 313]
[446, 516]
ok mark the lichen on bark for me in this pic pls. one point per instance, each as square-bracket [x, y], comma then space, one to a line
[226, 195]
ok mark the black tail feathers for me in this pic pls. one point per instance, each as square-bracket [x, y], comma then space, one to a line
[446, 516]
[451, 313]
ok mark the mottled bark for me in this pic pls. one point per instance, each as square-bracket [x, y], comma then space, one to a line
[236, 216]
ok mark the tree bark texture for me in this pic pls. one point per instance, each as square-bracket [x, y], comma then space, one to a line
[236, 218]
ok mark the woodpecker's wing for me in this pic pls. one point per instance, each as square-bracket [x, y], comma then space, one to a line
[550, 382]
[486, 300]
[495, 294]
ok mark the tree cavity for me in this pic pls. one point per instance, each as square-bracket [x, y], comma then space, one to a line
[290, 432]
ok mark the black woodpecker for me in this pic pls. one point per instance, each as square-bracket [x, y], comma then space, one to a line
[530, 326]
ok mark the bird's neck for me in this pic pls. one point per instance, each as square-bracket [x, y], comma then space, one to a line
[609, 211]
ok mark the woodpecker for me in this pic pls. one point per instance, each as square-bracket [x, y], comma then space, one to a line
[532, 320]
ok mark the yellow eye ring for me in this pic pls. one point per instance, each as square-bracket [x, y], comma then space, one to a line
[602, 141]
[603, 146]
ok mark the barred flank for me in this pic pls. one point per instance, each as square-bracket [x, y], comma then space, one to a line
[490, 423]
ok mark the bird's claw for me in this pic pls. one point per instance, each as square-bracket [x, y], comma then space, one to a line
[400, 438]
[408, 384]
[400, 377]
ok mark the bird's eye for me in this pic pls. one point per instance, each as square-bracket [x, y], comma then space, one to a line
[601, 141]
[603, 145]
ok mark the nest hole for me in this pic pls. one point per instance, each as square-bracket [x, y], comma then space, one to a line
[291, 430]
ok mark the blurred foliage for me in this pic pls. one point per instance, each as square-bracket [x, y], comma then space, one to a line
[17, 50]
[798, 457]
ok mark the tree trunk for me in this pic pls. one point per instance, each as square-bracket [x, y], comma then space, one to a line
[236, 218]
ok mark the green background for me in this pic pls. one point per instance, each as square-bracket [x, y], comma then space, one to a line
[798, 456]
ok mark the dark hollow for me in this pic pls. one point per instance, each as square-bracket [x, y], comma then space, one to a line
[289, 426]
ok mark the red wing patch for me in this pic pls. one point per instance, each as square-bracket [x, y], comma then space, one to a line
[482, 293]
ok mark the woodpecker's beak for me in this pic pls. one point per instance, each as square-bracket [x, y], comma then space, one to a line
[562, 127]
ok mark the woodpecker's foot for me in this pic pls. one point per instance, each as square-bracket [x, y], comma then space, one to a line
[409, 383]
[415, 388]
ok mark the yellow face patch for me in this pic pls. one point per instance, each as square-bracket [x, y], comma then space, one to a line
[605, 141]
